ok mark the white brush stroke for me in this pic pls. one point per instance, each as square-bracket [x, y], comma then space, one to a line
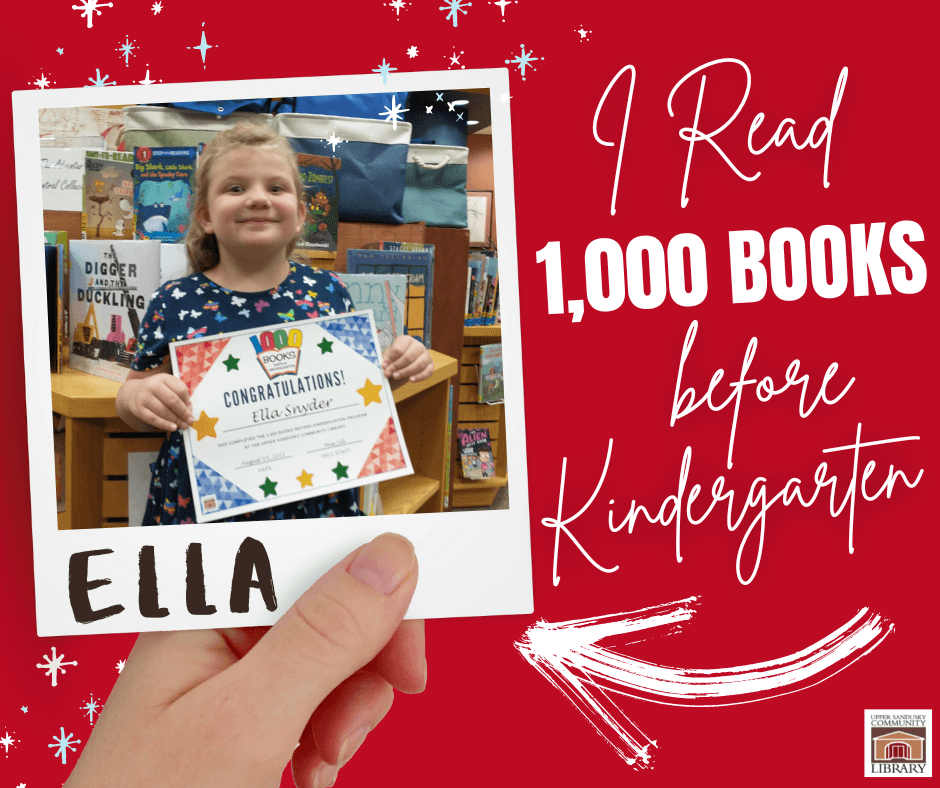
[566, 654]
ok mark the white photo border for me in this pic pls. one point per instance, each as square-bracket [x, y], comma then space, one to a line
[472, 563]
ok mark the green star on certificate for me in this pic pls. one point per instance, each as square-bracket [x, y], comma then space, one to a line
[340, 471]
[231, 363]
[268, 487]
[325, 346]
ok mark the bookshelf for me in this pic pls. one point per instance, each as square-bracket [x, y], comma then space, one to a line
[471, 414]
[97, 444]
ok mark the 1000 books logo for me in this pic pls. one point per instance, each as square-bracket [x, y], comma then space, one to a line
[897, 743]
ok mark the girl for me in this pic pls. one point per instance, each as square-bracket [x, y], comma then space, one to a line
[249, 210]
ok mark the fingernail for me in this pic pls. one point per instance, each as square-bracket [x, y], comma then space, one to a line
[353, 743]
[384, 563]
[325, 776]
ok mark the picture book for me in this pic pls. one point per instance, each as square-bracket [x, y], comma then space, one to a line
[404, 246]
[418, 266]
[164, 185]
[476, 454]
[108, 195]
[320, 177]
[385, 295]
[491, 374]
[110, 286]
[475, 268]
[57, 289]
[488, 302]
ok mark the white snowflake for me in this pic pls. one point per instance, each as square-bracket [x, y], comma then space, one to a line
[99, 81]
[54, 665]
[454, 7]
[333, 140]
[7, 741]
[398, 5]
[120, 664]
[126, 50]
[455, 59]
[204, 47]
[412, 51]
[89, 8]
[502, 6]
[504, 97]
[64, 743]
[394, 114]
[42, 82]
[147, 80]
[91, 708]
[524, 59]
[582, 33]
[429, 109]
[156, 7]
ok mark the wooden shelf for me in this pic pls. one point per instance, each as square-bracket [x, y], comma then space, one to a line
[407, 494]
[445, 368]
[483, 332]
[465, 485]
[83, 396]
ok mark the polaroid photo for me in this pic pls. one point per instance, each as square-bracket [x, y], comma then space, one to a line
[95, 571]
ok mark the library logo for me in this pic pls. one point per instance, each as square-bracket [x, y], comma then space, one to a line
[278, 351]
[898, 743]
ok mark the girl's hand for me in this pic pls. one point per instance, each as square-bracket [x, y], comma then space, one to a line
[407, 359]
[156, 399]
[228, 707]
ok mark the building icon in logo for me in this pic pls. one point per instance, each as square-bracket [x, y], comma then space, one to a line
[898, 745]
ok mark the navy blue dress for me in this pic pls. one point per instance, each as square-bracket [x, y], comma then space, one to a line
[195, 306]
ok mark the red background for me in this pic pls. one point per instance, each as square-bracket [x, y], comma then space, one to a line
[486, 715]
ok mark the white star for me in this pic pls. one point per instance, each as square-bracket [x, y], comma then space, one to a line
[394, 114]
[450, 106]
[156, 7]
[89, 8]
[504, 97]
[120, 665]
[42, 82]
[60, 50]
[429, 109]
[54, 665]
[455, 59]
[7, 741]
[502, 5]
[147, 80]
[397, 5]
[24, 709]
[333, 140]
[412, 51]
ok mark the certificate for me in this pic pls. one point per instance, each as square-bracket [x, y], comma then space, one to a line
[288, 412]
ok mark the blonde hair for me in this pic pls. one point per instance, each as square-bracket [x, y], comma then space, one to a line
[203, 247]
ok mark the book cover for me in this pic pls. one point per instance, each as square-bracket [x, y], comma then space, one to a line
[320, 177]
[476, 454]
[491, 374]
[419, 268]
[111, 283]
[108, 195]
[491, 271]
[164, 185]
[475, 267]
[57, 283]
[406, 246]
[385, 295]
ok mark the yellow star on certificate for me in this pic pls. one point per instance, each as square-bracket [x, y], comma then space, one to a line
[204, 426]
[370, 393]
[305, 479]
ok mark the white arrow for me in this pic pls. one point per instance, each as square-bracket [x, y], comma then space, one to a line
[566, 654]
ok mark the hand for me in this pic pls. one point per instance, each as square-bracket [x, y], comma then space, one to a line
[156, 399]
[407, 359]
[227, 708]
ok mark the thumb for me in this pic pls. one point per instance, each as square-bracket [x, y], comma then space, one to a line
[335, 628]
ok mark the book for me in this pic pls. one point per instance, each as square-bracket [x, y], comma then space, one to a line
[488, 308]
[385, 295]
[491, 374]
[418, 266]
[164, 185]
[57, 295]
[320, 177]
[108, 195]
[475, 267]
[405, 246]
[476, 454]
[111, 283]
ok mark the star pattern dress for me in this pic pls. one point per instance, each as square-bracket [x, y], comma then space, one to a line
[195, 306]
